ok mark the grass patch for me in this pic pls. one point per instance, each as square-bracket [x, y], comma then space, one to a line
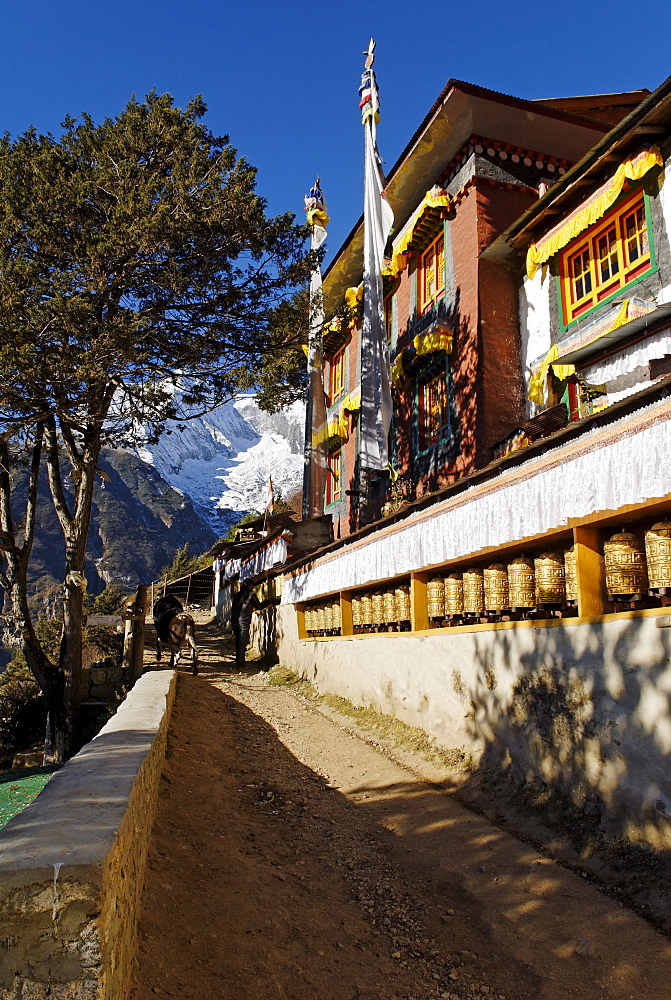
[386, 728]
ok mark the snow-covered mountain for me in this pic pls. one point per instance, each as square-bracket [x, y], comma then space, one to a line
[223, 461]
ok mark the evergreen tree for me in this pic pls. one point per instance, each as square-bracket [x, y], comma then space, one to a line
[140, 280]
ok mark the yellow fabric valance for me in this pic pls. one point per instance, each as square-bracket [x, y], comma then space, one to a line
[434, 205]
[397, 371]
[350, 404]
[592, 210]
[353, 296]
[538, 379]
[438, 338]
[625, 314]
[316, 217]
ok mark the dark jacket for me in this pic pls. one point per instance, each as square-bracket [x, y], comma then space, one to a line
[244, 603]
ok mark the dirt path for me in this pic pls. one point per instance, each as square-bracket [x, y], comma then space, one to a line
[291, 859]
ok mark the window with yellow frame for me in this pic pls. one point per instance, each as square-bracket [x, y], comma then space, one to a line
[433, 411]
[613, 253]
[333, 476]
[432, 273]
[337, 375]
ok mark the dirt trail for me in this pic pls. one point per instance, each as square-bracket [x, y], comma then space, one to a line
[291, 859]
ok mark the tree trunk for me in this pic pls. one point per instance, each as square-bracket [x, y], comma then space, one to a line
[66, 724]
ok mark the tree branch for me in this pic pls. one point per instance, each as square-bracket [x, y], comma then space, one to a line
[54, 475]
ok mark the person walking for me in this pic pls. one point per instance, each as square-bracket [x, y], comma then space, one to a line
[245, 602]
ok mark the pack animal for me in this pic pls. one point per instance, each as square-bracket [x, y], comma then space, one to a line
[175, 629]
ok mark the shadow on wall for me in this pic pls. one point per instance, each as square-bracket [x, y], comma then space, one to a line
[578, 721]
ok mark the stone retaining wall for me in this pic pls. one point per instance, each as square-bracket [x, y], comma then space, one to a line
[72, 863]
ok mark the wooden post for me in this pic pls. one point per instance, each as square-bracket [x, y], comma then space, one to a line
[346, 627]
[418, 597]
[589, 571]
[300, 617]
[188, 591]
[139, 613]
[129, 606]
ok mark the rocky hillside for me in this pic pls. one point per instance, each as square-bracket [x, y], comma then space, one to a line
[139, 522]
[199, 479]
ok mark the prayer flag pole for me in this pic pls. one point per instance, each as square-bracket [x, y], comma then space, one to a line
[314, 473]
[376, 404]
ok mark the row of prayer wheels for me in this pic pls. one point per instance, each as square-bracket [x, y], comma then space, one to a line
[524, 584]
[380, 609]
[635, 567]
[323, 618]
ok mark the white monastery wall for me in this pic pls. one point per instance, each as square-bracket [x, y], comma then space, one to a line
[583, 708]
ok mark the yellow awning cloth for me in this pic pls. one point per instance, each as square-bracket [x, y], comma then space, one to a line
[350, 404]
[592, 210]
[353, 296]
[337, 425]
[438, 338]
[626, 312]
[316, 217]
[538, 379]
[422, 225]
[397, 371]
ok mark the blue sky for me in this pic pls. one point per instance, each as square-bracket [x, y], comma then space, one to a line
[281, 78]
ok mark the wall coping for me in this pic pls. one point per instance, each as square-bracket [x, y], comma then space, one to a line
[71, 863]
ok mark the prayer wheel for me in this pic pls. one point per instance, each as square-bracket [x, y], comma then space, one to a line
[495, 580]
[336, 617]
[658, 554]
[454, 595]
[366, 609]
[435, 597]
[626, 572]
[320, 624]
[390, 606]
[474, 592]
[378, 607]
[309, 619]
[522, 583]
[550, 579]
[402, 596]
[356, 610]
[571, 575]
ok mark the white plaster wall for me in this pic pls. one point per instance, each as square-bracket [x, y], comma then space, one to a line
[534, 320]
[604, 732]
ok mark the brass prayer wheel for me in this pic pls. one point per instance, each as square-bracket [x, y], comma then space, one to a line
[378, 607]
[550, 579]
[571, 575]
[402, 596]
[474, 592]
[356, 610]
[366, 609]
[390, 606]
[495, 579]
[336, 617]
[454, 595]
[658, 554]
[435, 597]
[626, 572]
[522, 583]
[309, 619]
[328, 616]
[320, 624]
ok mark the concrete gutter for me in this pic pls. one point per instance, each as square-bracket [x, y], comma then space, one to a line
[72, 863]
